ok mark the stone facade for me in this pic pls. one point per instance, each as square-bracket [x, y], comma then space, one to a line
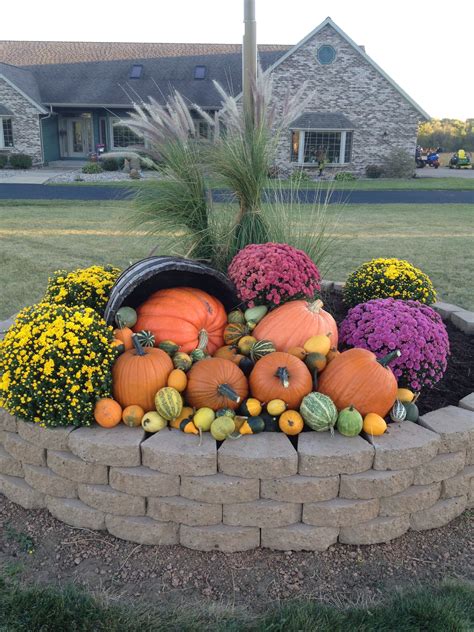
[383, 118]
[26, 123]
[259, 491]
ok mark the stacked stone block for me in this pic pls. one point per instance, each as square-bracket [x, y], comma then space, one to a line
[257, 491]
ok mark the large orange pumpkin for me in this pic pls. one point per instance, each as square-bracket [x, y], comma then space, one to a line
[291, 324]
[138, 374]
[280, 375]
[188, 316]
[356, 378]
[216, 383]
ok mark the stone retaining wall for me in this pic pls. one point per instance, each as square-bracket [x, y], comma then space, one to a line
[256, 491]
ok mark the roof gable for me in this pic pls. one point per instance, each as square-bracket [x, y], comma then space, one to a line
[23, 82]
[360, 50]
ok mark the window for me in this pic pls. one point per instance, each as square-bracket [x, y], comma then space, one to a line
[313, 146]
[6, 132]
[136, 71]
[200, 72]
[122, 136]
[202, 129]
[326, 54]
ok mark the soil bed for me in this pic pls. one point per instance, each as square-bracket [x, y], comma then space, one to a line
[459, 377]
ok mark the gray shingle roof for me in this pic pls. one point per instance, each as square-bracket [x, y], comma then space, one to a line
[322, 120]
[23, 79]
[108, 83]
[4, 110]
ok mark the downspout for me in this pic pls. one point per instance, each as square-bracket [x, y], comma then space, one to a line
[48, 116]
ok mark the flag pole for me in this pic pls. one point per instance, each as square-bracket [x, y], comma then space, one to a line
[249, 58]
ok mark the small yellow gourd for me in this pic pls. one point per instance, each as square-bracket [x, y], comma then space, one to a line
[177, 379]
[405, 395]
[276, 407]
[318, 344]
[188, 427]
[245, 344]
[374, 424]
[186, 413]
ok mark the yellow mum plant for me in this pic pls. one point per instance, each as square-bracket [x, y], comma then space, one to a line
[385, 278]
[55, 362]
[89, 287]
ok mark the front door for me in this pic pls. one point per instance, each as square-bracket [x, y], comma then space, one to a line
[76, 136]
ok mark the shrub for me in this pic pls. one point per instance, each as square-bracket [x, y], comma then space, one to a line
[383, 278]
[373, 171]
[92, 167]
[87, 287]
[398, 163]
[20, 161]
[299, 175]
[3, 160]
[112, 164]
[55, 362]
[417, 330]
[344, 176]
[271, 274]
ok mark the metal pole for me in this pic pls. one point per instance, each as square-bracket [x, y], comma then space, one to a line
[249, 57]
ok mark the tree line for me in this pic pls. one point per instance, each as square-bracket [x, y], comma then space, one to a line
[449, 134]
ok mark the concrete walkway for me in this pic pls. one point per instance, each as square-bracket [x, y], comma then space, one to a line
[30, 176]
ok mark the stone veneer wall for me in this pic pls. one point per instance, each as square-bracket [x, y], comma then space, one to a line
[26, 124]
[352, 86]
[258, 491]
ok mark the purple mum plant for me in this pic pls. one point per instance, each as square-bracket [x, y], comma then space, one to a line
[272, 274]
[382, 325]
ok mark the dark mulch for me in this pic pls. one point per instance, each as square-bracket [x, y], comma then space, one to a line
[458, 381]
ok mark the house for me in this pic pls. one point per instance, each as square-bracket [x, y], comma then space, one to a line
[63, 100]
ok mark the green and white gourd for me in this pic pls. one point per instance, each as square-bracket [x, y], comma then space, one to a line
[168, 403]
[198, 354]
[349, 422]
[319, 412]
[236, 317]
[126, 317]
[255, 314]
[261, 348]
[398, 412]
[146, 338]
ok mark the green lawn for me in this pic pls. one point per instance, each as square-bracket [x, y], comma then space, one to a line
[37, 238]
[443, 608]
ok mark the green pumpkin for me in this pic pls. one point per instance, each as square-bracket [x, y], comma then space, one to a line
[246, 365]
[261, 349]
[182, 361]
[169, 347]
[349, 422]
[398, 412]
[253, 425]
[318, 412]
[255, 314]
[126, 317]
[146, 338]
[412, 411]
[168, 403]
[197, 354]
[271, 422]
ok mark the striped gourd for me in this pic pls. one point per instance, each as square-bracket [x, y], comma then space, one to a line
[318, 412]
[233, 333]
[236, 316]
[398, 412]
[197, 354]
[261, 348]
[168, 403]
[169, 347]
[182, 361]
[146, 338]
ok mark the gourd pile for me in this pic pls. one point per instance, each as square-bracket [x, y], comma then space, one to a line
[184, 363]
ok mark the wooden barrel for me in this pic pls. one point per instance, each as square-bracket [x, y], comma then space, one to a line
[144, 277]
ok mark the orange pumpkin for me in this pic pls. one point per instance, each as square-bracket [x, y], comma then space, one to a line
[190, 317]
[107, 412]
[138, 374]
[280, 376]
[298, 352]
[228, 352]
[125, 335]
[356, 378]
[291, 422]
[132, 415]
[216, 383]
[291, 324]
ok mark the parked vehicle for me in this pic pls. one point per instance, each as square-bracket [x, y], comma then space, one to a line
[430, 158]
[460, 160]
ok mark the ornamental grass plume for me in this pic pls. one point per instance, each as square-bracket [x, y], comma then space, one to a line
[382, 325]
[272, 274]
[55, 362]
[383, 278]
[87, 287]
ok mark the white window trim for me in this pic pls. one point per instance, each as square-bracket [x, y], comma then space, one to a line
[116, 120]
[2, 140]
[342, 153]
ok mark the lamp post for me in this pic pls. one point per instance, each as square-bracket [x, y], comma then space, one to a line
[249, 58]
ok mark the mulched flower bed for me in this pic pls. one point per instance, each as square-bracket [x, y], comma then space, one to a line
[459, 377]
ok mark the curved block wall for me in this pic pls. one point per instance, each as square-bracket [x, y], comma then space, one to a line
[257, 491]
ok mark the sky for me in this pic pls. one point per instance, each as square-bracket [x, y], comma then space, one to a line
[426, 47]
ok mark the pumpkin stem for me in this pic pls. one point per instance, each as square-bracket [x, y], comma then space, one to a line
[202, 340]
[119, 321]
[389, 357]
[137, 345]
[316, 306]
[283, 375]
[227, 391]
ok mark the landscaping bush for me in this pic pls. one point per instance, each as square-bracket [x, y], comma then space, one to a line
[415, 329]
[344, 176]
[112, 164]
[92, 167]
[20, 161]
[3, 160]
[373, 171]
[299, 175]
[271, 274]
[398, 163]
[55, 362]
[87, 287]
[383, 278]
